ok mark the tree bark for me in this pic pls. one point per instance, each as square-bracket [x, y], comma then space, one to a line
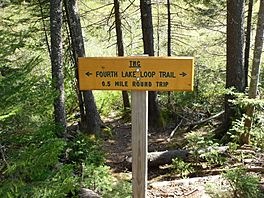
[87, 193]
[75, 56]
[158, 28]
[154, 118]
[248, 36]
[56, 62]
[235, 76]
[120, 46]
[235, 44]
[169, 28]
[255, 72]
[169, 42]
[91, 121]
[155, 159]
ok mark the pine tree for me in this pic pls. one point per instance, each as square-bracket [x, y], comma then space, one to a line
[56, 61]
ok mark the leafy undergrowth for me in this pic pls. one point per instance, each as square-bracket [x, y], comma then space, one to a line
[237, 167]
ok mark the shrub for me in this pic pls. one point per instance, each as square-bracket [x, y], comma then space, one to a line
[243, 185]
[181, 167]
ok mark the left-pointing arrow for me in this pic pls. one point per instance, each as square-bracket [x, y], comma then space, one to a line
[88, 74]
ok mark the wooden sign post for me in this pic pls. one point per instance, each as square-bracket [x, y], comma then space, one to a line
[139, 143]
[139, 74]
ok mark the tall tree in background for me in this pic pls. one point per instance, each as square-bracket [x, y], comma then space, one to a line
[169, 28]
[169, 40]
[91, 121]
[56, 61]
[235, 76]
[248, 35]
[120, 46]
[158, 27]
[155, 119]
[255, 72]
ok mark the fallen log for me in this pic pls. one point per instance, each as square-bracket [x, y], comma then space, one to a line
[87, 193]
[155, 159]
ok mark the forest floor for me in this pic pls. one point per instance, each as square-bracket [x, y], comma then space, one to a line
[161, 181]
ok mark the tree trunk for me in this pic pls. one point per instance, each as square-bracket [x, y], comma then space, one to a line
[169, 43]
[56, 62]
[255, 72]
[234, 67]
[120, 46]
[83, 122]
[155, 120]
[169, 28]
[158, 27]
[248, 35]
[91, 121]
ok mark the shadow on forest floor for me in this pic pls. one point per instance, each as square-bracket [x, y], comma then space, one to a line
[162, 182]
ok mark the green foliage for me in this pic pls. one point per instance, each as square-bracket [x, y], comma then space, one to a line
[207, 8]
[85, 149]
[208, 2]
[58, 184]
[242, 100]
[213, 156]
[233, 146]
[29, 141]
[22, 91]
[208, 99]
[23, 82]
[242, 184]
[218, 190]
[120, 189]
[33, 167]
[204, 148]
[210, 96]
[97, 178]
[195, 143]
[236, 183]
[182, 98]
[181, 167]
[88, 159]
[62, 184]
[38, 163]
[32, 162]
[109, 102]
[238, 128]
[256, 132]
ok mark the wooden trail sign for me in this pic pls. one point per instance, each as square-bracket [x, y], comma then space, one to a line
[136, 73]
[140, 74]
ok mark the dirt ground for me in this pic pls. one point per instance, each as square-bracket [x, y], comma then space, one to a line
[160, 184]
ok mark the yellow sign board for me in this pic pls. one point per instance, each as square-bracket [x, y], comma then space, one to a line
[136, 73]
